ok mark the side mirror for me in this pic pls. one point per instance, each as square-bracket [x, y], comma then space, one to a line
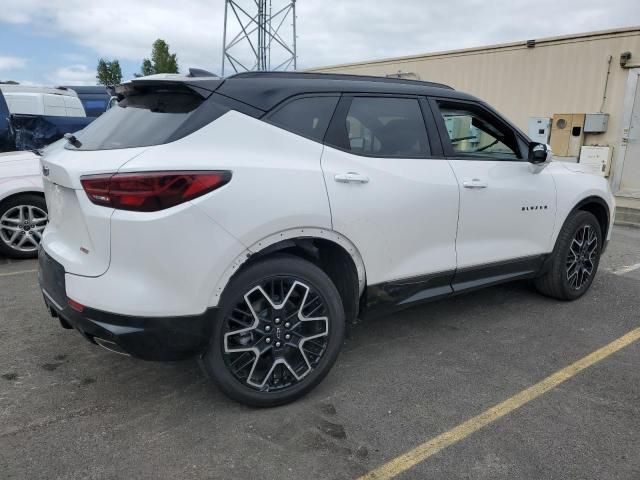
[539, 153]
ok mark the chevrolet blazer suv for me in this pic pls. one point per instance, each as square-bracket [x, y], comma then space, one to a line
[246, 220]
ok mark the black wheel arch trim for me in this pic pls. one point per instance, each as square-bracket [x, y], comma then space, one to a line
[329, 256]
[601, 202]
[21, 193]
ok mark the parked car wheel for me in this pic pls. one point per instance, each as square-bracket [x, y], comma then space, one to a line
[279, 331]
[575, 258]
[22, 221]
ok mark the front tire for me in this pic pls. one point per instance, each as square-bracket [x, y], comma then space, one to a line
[22, 221]
[278, 333]
[575, 258]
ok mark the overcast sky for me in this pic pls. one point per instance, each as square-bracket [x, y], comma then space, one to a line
[60, 41]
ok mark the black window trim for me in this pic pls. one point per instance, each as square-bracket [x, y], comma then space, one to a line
[484, 109]
[334, 137]
[266, 117]
[437, 149]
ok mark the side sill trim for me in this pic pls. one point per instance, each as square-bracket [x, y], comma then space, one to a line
[459, 287]
[388, 297]
[480, 276]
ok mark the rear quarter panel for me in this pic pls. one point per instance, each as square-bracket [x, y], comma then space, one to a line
[276, 186]
[276, 183]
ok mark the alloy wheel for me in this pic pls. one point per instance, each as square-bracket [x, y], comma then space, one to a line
[21, 227]
[582, 257]
[276, 334]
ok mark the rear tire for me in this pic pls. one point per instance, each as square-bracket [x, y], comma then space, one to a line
[22, 220]
[278, 332]
[575, 258]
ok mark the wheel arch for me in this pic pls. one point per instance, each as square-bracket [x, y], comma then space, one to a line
[331, 251]
[19, 192]
[599, 208]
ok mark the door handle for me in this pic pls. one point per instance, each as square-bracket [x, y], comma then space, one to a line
[474, 183]
[351, 177]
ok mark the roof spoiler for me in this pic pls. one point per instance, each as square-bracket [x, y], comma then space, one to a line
[200, 81]
[198, 72]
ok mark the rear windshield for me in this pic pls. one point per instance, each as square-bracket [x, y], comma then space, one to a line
[149, 116]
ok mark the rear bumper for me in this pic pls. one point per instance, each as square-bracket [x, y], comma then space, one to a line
[148, 338]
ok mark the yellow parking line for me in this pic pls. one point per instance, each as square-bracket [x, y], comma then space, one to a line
[19, 272]
[431, 447]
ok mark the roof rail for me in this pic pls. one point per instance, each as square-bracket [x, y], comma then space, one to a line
[339, 76]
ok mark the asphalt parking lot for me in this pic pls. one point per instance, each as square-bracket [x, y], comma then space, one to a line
[69, 409]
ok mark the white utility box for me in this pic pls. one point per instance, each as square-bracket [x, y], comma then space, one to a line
[539, 128]
[596, 158]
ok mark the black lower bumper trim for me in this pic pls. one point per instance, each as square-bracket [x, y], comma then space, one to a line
[148, 338]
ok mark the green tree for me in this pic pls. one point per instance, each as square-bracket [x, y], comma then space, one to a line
[147, 68]
[162, 61]
[108, 72]
[9, 82]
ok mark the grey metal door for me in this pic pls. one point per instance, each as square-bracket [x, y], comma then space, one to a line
[630, 178]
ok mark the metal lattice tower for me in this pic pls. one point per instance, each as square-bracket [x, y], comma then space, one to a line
[258, 31]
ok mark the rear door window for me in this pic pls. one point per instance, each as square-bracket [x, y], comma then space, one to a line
[149, 116]
[382, 127]
[307, 116]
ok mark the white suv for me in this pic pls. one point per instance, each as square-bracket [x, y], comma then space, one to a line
[248, 219]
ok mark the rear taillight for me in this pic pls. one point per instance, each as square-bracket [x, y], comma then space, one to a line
[150, 191]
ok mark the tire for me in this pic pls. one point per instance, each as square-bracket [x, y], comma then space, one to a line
[574, 263]
[289, 310]
[22, 220]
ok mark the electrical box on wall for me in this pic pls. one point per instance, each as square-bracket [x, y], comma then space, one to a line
[596, 122]
[539, 129]
[598, 159]
[567, 134]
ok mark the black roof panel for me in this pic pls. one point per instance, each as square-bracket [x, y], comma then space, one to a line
[264, 90]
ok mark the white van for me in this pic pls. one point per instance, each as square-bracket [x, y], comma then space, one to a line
[58, 102]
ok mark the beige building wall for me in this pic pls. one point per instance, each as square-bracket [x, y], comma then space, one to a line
[559, 75]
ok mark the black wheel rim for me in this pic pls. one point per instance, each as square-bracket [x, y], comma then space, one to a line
[582, 257]
[276, 334]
